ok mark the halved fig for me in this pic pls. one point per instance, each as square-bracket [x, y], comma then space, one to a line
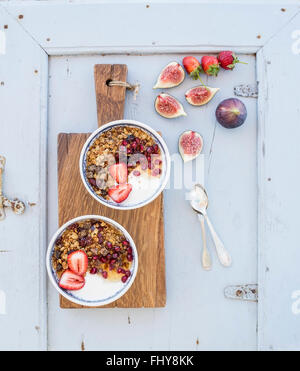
[168, 106]
[200, 95]
[190, 145]
[171, 75]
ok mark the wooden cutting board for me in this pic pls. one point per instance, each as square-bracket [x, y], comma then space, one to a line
[146, 225]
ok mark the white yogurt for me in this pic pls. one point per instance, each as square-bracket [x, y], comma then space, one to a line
[143, 187]
[97, 288]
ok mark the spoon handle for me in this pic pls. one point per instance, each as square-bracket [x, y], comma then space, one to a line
[206, 261]
[223, 254]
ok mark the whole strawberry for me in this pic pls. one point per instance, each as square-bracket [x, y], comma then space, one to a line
[192, 66]
[228, 60]
[210, 65]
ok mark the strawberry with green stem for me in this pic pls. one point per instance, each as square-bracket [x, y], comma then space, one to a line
[228, 60]
[193, 68]
[210, 65]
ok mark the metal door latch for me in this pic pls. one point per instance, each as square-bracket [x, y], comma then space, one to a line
[242, 292]
[17, 206]
[247, 91]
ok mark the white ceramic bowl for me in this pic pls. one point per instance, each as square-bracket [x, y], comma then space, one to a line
[71, 295]
[166, 166]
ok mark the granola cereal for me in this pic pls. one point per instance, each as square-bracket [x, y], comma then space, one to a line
[128, 145]
[108, 251]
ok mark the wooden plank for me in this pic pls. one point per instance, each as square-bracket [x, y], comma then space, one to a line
[53, 25]
[23, 141]
[110, 100]
[279, 184]
[145, 226]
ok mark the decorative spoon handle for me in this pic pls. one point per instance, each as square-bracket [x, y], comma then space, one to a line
[206, 261]
[223, 254]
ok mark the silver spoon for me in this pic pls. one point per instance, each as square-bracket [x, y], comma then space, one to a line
[199, 202]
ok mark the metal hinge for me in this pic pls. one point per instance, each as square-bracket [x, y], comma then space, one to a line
[242, 292]
[247, 91]
[17, 206]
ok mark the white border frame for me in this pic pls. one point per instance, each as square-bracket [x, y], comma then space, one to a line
[78, 27]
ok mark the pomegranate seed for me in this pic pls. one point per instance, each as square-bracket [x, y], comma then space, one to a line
[150, 166]
[138, 140]
[115, 256]
[142, 148]
[109, 244]
[93, 270]
[129, 250]
[119, 270]
[128, 273]
[95, 257]
[124, 142]
[156, 172]
[108, 256]
[149, 149]
[113, 261]
[103, 259]
[136, 173]
[117, 248]
[129, 150]
[125, 243]
[133, 145]
[104, 274]
[155, 148]
[124, 279]
[129, 257]
[92, 182]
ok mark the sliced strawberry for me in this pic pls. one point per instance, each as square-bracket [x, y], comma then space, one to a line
[71, 281]
[120, 192]
[210, 65]
[119, 172]
[78, 262]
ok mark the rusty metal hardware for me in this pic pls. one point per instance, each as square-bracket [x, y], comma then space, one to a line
[242, 292]
[17, 206]
[247, 91]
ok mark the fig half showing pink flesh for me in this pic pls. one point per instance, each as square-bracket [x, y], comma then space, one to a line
[200, 95]
[168, 106]
[190, 145]
[171, 75]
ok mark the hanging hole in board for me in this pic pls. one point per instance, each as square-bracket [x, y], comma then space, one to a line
[108, 82]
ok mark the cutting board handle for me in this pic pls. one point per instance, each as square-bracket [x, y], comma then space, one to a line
[110, 99]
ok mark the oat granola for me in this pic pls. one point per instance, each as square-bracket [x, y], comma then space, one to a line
[109, 252]
[121, 144]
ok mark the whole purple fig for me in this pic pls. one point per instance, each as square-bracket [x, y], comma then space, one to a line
[231, 113]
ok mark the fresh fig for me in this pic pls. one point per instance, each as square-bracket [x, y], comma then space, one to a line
[190, 145]
[231, 113]
[168, 106]
[172, 75]
[200, 95]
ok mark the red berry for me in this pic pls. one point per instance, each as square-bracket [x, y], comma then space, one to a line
[104, 274]
[124, 279]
